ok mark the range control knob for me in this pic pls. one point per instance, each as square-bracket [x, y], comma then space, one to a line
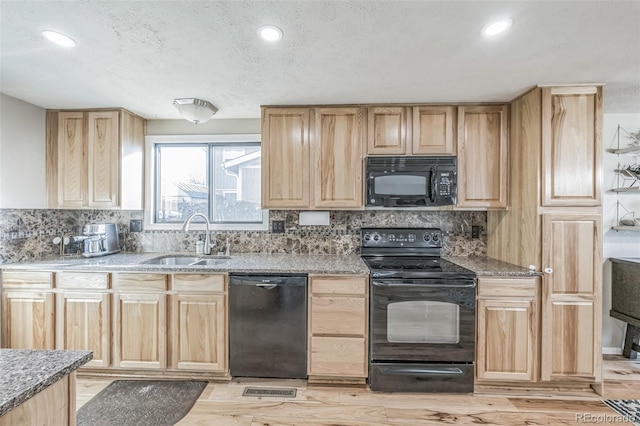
[427, 237]
[435, 238]
[367, 237]
[376, 237]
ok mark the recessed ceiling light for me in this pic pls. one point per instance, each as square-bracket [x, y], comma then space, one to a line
[270, 33]
[497, 27]
[59, 38]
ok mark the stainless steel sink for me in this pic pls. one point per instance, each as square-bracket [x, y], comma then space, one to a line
[183, 261]
[210, 262]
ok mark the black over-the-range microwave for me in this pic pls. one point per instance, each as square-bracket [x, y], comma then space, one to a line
[411, 181]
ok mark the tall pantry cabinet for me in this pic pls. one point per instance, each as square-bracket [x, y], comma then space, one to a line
[555, 224]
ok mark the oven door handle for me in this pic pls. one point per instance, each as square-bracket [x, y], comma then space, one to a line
[449, 371]
[439, 283]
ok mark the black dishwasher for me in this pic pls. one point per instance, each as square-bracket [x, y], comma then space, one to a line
[268, 326]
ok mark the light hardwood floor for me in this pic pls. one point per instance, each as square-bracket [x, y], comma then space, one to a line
[223, 404]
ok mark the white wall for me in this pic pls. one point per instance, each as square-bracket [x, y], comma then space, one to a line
[616, 244]
[22, 154]
[211, 127]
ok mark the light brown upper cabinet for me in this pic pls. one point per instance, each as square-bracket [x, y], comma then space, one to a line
[312, 158]
[434, 130]
[337, 158]
[285, 158]
[90, 154]
[418, 130]
[482, 156]
[572, 146]
[387, 130]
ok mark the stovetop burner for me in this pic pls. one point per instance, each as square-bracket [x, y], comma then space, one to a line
[414, 267]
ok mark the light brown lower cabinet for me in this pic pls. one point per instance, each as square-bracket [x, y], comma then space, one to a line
[140, 318]
[507, 337]
[198, 322]
[55, 405]
[28, 310]
[83, 315]
[338, 326]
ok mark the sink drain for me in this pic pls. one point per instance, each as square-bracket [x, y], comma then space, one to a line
[279, 392]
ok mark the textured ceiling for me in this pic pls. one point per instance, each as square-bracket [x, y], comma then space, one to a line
[140, 55]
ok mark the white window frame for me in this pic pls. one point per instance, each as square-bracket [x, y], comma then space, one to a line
[150, 142]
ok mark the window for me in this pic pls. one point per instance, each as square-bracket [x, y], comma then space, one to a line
[217, 176]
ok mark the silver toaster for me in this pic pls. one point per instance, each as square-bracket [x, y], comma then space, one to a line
[100, 239]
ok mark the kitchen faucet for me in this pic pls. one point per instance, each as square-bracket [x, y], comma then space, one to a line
[207, 241]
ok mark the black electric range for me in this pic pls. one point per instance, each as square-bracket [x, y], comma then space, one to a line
[422, 313]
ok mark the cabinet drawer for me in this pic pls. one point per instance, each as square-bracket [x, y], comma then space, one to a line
[338, 356]
[141, 282]
[210, 283]
[339, 285]
[23, 279]
[82, 280]
[507, 287]
[338, 315]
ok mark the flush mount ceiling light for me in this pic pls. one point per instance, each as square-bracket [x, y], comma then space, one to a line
[497, 27]
[58, 38]
[195, 110]
[270, 33]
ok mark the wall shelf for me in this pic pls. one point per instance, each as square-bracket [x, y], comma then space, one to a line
[628, 179]
[628, 150]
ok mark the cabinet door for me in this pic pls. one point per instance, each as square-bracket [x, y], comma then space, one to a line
[387, 130]
[199, 332]
[83, 323]
[434, 130]
[72, 181]
[572, 146]
[27, 319]
[103, 152]
[506, 339]
[571, 311]
[338, 315]
[285, 158]
[337, 165]
[482, 156]
[338, 356]
[140, 330]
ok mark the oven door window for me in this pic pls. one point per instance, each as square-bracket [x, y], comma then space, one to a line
[423, 322]
[400, 184]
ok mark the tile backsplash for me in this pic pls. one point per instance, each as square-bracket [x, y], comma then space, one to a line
[28, 233]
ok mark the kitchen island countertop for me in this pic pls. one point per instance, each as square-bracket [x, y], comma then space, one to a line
[25, 372]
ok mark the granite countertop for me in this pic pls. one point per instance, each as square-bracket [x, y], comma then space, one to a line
[237, 263]
[250, 263]
[486, 266]
[25, 372]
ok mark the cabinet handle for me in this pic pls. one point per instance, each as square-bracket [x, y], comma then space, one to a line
[548, 271]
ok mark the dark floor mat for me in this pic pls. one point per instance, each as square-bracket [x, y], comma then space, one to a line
[629, 409]
[140, 402]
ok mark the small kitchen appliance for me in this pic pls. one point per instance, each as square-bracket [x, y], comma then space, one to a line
[100, 239]
[422, 313]
[399, 182]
